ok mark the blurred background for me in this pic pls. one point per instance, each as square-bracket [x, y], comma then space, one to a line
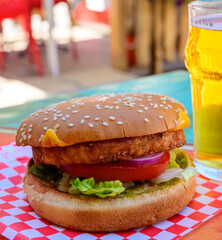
[48, 47]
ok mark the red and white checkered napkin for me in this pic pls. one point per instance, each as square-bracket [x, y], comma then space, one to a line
[19, 221]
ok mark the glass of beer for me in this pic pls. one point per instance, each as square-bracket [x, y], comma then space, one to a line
[204, 63]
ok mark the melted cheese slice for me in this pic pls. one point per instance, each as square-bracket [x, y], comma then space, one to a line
[183, 121]
[51, 139]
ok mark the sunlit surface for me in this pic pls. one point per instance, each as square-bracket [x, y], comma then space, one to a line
[14, 92]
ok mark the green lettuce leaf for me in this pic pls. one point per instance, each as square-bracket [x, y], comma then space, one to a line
[172, 163]
[188, 173]
[179, 159]
[88, 186]
[47, 173]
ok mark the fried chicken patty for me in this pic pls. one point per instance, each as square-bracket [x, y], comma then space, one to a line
[109, 150]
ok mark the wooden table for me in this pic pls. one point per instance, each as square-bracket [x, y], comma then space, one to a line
[175, 84]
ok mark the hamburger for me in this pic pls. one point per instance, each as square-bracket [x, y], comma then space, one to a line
[109, 162]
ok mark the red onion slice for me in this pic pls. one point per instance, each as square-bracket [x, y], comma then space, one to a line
[146, 160]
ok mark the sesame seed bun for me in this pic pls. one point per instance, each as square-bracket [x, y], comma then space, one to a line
[101, 117]
[107, 215]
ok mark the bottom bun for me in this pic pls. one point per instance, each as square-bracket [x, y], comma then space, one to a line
[92, 214]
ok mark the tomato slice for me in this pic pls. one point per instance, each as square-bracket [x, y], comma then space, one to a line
[119, 170]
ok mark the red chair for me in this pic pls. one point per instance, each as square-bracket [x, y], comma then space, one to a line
[21, 8]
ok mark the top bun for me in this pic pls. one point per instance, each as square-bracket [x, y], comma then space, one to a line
[100, 117]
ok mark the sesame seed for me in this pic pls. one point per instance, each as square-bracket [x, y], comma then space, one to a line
[82, 121]
[24, 124]
[20, 140]
[36, 115]
[151, 104]
[119, 123]
[149, 99]
[45, 128]
[55, 130]
[45, 119]
[22, 129]
[140, 111]
[111, 107]
[97, 119]
[90, 125]
[175, 121]
[70, 124]
[146, 120]
[67, 115]
[63, 118]
[68, 108]
[75, 111]
[169, 105]
[176, 110]
[86, 117]
[46, 112]
[107, 106]
[160, 116]
[112, 118]
[116, 107]
[105, 124]
[142, 106]
[29, 130]
[164, 102]
[23, 133]
[161, 105]
[58, 111]
[40, 139]
[60, 115]
[73, 105]
[57, 126]
[146, 108]
[54, 110]
[166, 107]
[55, 118]
[24, 137]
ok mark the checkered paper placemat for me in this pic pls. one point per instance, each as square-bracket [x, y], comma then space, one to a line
[19, 221]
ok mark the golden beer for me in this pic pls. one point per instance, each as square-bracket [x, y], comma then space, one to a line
[204, 62]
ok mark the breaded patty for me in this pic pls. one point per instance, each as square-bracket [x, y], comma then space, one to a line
[109, 150]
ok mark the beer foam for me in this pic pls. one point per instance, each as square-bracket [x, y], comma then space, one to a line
[210, 22]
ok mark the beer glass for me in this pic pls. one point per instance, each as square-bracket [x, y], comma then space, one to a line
[204, 63]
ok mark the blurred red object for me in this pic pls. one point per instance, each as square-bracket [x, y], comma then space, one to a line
[83, 14]
[21, 8]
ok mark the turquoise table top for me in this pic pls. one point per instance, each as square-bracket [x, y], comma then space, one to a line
[173, 84]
